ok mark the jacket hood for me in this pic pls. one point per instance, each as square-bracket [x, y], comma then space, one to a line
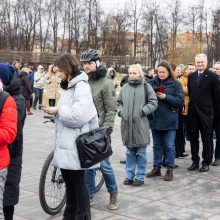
[40, 67]
[14, 88]
[99, 73]
[80, 77]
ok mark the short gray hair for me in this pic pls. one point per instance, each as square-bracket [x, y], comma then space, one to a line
[201, 55]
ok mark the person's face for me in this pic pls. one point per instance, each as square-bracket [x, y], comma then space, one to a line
[63, 75]
[201, 63]
[151, 72]
[216, 68]
[190, 69]
[41, 70]
[54, 69]
[178, 71]
[134, 74]
[89, 66]
[162, 73]
[18, 65]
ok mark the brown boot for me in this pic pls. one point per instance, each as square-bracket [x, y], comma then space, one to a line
[169, 174]
[155, 172]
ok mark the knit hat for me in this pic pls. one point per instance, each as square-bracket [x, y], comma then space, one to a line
[6, 73]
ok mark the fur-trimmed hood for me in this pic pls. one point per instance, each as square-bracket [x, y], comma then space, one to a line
[99, 73]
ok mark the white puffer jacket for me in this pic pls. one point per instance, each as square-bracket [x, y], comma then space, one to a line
[39, 77]
[76, 114]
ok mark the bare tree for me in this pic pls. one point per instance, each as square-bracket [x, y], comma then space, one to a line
[216, 35]
[134, 13]
[113, 36]
[174, 22]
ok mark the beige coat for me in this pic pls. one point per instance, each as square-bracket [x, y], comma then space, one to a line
[184, 80]
[52, 81]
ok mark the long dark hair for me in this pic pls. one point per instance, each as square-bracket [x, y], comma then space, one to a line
[166, 65]
[68, 64]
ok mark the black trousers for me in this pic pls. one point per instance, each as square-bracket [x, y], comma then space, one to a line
[52, 102]
[77, 197]
[180, 138]
[206, 152]
[8, 212]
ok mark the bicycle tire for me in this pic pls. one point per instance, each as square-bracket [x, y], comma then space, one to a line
[42, 197]
[98, 183]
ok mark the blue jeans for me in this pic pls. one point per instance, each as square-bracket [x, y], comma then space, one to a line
[136, 156]
[216, 128]
[108, 175]
[164, 141]
[38, 95]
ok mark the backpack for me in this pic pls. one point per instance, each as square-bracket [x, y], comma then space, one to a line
[151, 115]
[3, 96]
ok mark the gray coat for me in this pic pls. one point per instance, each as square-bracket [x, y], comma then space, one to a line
[76, 114]
[133, 110]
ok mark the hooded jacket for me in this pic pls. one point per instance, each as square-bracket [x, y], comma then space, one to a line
[133, 110]
[76, 115]
[104, 97]
[39, 78]
[8, 130]
[11, 194]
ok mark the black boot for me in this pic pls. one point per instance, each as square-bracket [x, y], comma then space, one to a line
[155, 172]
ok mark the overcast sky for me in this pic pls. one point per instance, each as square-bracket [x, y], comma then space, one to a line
[109, 5]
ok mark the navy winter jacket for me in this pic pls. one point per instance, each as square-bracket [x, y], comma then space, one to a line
[166, 115]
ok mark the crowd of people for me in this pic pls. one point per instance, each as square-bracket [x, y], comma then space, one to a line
[173, 103]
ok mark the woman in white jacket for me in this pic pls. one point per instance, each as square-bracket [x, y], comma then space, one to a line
[38, 86]
[75, 114]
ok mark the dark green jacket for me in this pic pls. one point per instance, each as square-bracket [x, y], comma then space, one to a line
[133, 110]
[104, 97]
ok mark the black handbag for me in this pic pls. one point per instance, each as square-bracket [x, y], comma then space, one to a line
[94, 146]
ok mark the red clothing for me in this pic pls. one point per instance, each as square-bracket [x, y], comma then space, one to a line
[8, 130]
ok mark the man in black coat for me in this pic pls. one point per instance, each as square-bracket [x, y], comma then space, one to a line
[11, 194]
[204, 100]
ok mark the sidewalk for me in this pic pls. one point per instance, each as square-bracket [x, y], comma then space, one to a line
[190, 196]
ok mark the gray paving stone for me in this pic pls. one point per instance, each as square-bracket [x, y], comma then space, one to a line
[191, 195]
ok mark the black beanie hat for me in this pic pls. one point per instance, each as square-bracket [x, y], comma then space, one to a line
[6, 73]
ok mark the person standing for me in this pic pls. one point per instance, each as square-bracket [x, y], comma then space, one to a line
[73, 119]
[190, 68]
[133, 108]
[8, 131]
[52, 81]
[165, 121]
[38, 86]
[12, 190]
[104, 97]
[204, 99]
[216, 126]
[26, 90]
[31, 83]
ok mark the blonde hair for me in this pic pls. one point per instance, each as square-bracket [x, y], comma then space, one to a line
[137, 67]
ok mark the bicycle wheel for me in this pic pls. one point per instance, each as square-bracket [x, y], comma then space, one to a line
[52, 190]
[99, 179]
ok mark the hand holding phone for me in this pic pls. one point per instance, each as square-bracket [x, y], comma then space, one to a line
[41, 106]
[160, 89]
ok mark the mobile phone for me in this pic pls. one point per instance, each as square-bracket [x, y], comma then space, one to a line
[41, 106]
[160, 89]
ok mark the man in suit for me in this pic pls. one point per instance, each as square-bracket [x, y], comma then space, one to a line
[204, 100]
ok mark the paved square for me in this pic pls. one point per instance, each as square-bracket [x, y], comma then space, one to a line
[190, 196]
